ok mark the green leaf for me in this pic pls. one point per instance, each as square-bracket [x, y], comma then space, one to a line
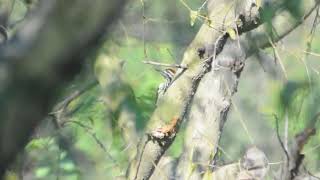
[193, 17]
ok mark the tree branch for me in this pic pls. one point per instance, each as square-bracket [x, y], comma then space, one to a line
[175, 106]
[293, 166]
[45, 53]
[209, 99]
[61, 109]
[214, 98]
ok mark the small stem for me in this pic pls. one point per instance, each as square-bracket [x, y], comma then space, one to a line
[165, 64]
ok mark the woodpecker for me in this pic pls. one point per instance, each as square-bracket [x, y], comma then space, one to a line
[168, 74]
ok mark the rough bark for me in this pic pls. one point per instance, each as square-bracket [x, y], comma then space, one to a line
[213, 98]
[175, 105]
[214, 62]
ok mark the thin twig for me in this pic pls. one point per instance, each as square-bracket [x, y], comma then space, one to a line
[225, 153]
[311, 174]
[309, 46]
[62, 106]
[277, 57]
[165, 64]
[90, 131]
[203, 4]
[280, 141]
[286, 130]
[312, 149]
[144, 21]
[185, 5]
[294, 54]
[276, 163]
[243, 124]
[170, 53]
[312, 53]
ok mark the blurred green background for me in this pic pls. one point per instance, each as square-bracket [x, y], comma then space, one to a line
[160, 30]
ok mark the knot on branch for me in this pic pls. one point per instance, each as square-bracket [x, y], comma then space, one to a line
[296, 157]
[302, 138]
[237, 67]
[254, 164]
[201, 51]
[164, 135]
[234, 64]
[168, 131]
[163, 139]
[249, 15]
